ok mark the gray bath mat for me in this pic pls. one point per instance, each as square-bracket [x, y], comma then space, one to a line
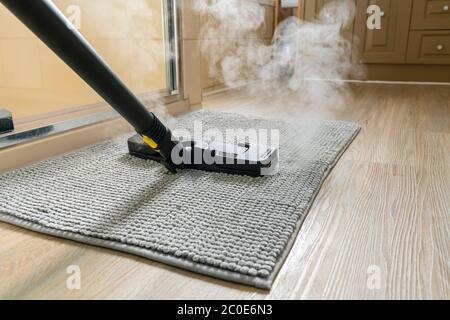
[231, 227]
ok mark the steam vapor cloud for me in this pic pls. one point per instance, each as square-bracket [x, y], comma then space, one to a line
[298, 62]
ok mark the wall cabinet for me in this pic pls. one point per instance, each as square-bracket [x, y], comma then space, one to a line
[431, 15]
[413, 43]
[412, 32]
[388, 44]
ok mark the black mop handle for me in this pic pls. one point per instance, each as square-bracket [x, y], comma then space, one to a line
[48, 23]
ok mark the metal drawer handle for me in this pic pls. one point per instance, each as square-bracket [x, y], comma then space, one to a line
[440, 47]
[382, 13]
[445, 8]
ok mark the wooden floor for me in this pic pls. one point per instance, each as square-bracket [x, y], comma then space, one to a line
[379, 228]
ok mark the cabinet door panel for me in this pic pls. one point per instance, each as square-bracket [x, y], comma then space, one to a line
[429, 47]
[389, 44]
[431, 14]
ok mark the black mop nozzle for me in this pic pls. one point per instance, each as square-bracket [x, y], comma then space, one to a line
[6, 121]
[242, 159]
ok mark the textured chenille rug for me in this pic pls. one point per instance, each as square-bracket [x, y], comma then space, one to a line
[236, 228]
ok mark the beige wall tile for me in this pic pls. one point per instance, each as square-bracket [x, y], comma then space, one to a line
[56, 75]
[21, 65]
[104, 19]
[2, 69]
[145, 19]
[127, 34]
[119, 19]
[116, 53]
[147, 65]
[11, 27]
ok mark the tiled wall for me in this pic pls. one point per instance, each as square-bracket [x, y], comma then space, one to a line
[127, 33]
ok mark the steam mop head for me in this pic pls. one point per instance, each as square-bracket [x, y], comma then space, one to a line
[6, 121]
[242, 159]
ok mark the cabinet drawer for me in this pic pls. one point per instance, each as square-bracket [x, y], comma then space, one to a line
[429, 47]
[431, 14]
